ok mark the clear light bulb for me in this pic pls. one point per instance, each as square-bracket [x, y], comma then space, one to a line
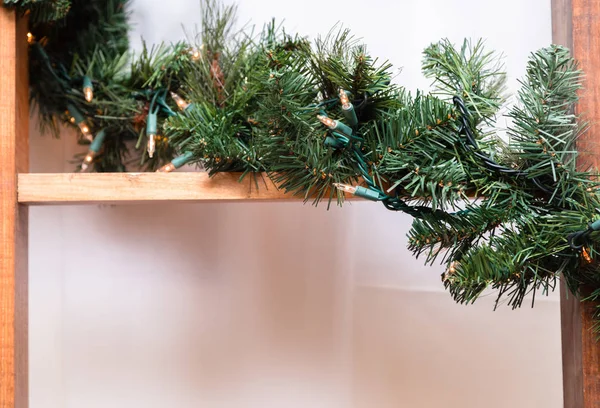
[176, 163]
[88, 88]
[85, 129]
[586, 255]
[181, 103]
[345, 188]
[88, 92]
[93, 150]
[167, 168]
[196, 54]
[151, 145]
[30, 38]
[344, 99]
[330, 123]
[89, 157]
[450, 271]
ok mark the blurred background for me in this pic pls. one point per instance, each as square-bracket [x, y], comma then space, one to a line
[280, 304]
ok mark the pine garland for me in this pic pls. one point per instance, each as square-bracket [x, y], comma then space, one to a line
[325, 118]
[42, 10]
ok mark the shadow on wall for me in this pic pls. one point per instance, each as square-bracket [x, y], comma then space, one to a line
[236, 305]
[214, 302]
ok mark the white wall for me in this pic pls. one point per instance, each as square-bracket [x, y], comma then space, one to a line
[280, 305]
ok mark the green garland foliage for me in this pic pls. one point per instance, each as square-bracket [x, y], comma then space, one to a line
[42, 10]
[506, 215]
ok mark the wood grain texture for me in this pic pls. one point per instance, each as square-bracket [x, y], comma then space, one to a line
[562, 22]
[571, 337]
[586, 50]
[78, 188]
[576, 24]
[14, 154]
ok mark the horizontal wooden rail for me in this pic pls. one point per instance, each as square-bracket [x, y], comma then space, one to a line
[81, 188]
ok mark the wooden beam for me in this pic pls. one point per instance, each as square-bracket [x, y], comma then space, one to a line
[586, 50]
[576, 24]
[14, 155]
[562, 23]
[81, 188]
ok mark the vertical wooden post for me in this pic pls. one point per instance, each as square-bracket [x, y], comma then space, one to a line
[576, 24]
[14, 156]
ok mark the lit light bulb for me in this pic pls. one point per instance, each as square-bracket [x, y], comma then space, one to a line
[88, 89]
[89, 157]
[345, 188]
[181, 103]
[88, 93]
[30, 38]
[95, 147]
[77, 117]
[151, 145]
[348, 109]
[586, 255]
[335, 125]
[196, 54]
[360, 191]
[85, 129]
[176, 163]
[450, 271]
[330, 123]
[167, 168]
[344, 99]
[151, 130]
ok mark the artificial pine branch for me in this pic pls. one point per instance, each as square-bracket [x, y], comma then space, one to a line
[41, 11]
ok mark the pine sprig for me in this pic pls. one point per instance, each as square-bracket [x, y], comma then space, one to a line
[41, 11]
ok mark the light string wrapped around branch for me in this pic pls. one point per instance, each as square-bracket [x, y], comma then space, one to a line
[489, 162]
[344, 135]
